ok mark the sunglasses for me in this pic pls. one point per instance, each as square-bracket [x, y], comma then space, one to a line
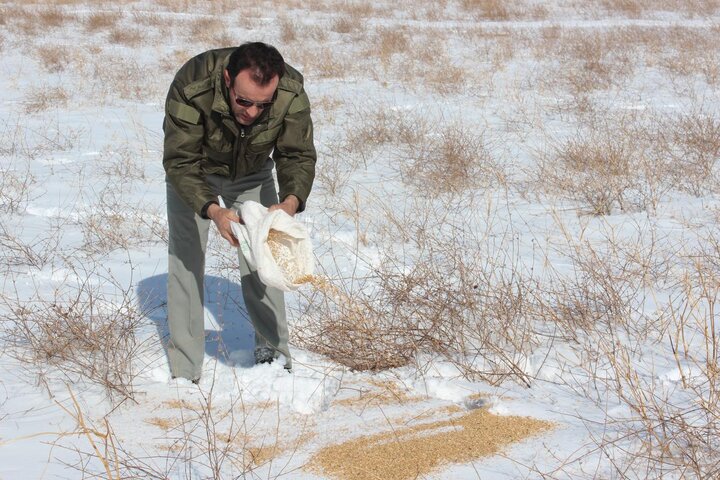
[244, 102]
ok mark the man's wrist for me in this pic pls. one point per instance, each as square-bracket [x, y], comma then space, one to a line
[212, 209]
[205, 211]
[293, 201]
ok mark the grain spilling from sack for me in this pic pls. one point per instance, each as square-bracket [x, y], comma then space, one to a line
[279, 244]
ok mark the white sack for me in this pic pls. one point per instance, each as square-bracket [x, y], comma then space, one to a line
[290, 237]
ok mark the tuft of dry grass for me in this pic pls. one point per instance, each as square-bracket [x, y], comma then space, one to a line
[46, 98]
[131, 37]
[84, 332]
[53, 17]
[431, 291]
[453, 161]
[208, 29]
[53, 58]
[389, 42]
[102, 21]
[288, 29]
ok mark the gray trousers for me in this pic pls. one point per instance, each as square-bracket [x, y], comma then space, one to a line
[188, 234]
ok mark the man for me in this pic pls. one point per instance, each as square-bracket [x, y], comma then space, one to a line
[226, 111]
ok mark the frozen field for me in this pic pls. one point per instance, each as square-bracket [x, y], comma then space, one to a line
[516, 216]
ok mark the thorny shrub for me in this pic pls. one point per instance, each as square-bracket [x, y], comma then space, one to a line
[454, 160]
[440, 288]
[80, 328]
[671, 422]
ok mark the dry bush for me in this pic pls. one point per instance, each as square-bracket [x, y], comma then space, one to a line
[345, 25]
[121, 76]
[288, 29]
[29, 142]
[389, 42]
[15, 188]
[594, 168]
[440, 287]
[672, 425]
[692, 143]
[102, 21]
[151, 19]
[170, 62]
[631, 8]
[130, 37]
[452, 161]
[358, 11]
[688, 52]
[322, 62]
[78, 328]
[380, 126]
[497, 10]
[607, 283]
[586, 61]
[640, 8]
[53, 17]
[211, 31]
[45, 98]
[113, 224]
[17, 253]
[447, 79]
[488, 9]
[215, 437]
[53, 58]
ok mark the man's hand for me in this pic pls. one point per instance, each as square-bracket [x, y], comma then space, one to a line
[290, 205]
[222, 218]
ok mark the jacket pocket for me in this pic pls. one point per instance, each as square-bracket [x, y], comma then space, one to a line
[263, 142]
[218, 157]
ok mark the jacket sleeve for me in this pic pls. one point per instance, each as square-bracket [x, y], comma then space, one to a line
[183, 151]
[294, 152]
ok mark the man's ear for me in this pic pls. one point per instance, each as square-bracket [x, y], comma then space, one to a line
[226, 76]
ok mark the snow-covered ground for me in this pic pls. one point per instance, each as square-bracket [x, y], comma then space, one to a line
[603, 325]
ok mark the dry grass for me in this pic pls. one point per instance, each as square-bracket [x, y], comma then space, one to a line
[81, 330]
[431, 292]
[130, 37]
[455, 160]
[53, 17]
[594, 168]
[497, 10]
[695, 150]
[390, 42]
[46, 98]
[416, 451]
[102, 21]
[288, 30]
[15, 188]
[640, 8]
[345, 25]
[54, 58]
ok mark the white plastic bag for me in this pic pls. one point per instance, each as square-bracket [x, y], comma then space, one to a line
[275, 244]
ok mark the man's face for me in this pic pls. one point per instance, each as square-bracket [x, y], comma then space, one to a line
[245, 89]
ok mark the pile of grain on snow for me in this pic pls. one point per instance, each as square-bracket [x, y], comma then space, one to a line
[416, 451]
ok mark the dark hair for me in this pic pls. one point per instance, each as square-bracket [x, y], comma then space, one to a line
[263, 60]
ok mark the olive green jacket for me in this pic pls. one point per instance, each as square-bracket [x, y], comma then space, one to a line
[202, 136]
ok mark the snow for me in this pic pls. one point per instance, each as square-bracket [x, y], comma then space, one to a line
[89, 224]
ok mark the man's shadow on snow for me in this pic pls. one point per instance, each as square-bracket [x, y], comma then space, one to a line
[229, 335]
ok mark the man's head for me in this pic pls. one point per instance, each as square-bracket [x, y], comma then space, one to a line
[252, 76]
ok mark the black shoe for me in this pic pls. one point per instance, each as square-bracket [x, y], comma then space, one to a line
[264, 355]
[195, 381]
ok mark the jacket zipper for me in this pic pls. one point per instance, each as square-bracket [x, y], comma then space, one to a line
[238, 155]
